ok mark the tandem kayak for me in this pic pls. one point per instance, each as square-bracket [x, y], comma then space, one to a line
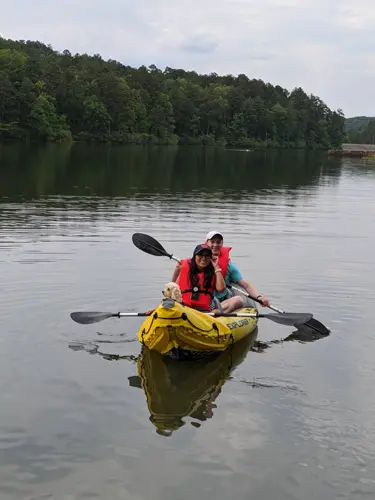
[180, 331]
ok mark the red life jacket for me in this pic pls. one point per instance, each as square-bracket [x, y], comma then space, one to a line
[224, 259]
[204, 299]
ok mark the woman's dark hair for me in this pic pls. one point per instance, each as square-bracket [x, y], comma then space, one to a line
[209, 273]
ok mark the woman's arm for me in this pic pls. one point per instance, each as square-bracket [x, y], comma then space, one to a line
[176, 272]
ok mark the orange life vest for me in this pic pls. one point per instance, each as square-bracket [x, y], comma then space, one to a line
[204, 297]
[224, 259]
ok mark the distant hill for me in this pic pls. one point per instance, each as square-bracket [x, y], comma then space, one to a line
[357, 122]
[365, 135]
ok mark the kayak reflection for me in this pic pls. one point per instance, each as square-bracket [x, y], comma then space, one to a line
[185, 389]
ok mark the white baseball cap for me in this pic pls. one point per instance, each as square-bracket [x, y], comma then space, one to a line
[211, 234]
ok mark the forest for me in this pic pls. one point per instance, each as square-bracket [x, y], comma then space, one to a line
[46, 95]
[357, 122]
[363, 135]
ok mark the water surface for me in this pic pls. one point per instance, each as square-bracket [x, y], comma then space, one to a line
[86, 414]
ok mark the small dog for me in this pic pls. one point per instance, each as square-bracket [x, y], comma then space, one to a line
[172, 291]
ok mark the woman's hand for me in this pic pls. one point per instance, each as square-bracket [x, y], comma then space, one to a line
[219, 278]
[215, 262]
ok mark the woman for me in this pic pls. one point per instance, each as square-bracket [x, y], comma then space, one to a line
[199, 278]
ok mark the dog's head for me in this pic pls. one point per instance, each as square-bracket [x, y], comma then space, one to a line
[172, 291]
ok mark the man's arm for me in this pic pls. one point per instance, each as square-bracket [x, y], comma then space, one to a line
[252, 290]
[249, 287]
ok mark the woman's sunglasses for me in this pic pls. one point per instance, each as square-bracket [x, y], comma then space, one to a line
[203, 255]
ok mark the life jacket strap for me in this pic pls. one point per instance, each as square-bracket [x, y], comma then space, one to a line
[197, 290]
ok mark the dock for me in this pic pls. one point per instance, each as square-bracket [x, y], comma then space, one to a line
[352, 153]
[354, 150]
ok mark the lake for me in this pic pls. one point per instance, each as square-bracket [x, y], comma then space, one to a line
[86, 414]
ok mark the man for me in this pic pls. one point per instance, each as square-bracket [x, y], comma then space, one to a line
[231, 273]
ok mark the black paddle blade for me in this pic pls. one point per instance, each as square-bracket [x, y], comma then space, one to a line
[149, 245]
[288, 319]
[87, 318]
[317, 326]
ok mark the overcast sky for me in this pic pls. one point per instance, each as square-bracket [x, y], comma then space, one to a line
[325, 46]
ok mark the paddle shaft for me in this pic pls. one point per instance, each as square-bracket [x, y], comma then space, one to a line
[174, 258]
[117, 315]
[284, 318]
[238, 315]
[216, 315]
[127, 314]
[254, 298]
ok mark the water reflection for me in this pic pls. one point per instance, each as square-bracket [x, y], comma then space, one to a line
[303, 335]
[93, 347]
[29, 172]
[175, 390]
[64, 187]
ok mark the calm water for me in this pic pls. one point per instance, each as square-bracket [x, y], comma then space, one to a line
[86, 415]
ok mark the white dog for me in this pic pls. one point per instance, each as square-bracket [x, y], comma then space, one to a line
[172, 291]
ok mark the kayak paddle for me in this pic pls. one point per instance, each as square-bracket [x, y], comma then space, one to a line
[288, 319]
[86, 318]
[150, 245]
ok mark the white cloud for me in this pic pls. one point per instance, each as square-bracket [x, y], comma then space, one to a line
[325, 47]
[358, 15]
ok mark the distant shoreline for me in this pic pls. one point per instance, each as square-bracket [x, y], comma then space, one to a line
[257, 147]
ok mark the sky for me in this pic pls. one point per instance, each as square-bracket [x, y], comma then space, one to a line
[325, 46]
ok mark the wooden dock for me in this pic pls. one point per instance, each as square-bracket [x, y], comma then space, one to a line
[353, 153]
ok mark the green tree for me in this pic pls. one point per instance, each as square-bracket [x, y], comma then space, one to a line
[96, 119]
[44, 94]
[45, 124]
[161, 117]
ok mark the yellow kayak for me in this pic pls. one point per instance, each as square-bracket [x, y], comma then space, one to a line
[175, 391]
[175, 328]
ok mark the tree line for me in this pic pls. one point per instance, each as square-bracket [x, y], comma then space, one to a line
[363, 135]
[357, 122]
[48, 95]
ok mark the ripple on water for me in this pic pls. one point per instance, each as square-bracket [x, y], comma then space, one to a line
[293, 418]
